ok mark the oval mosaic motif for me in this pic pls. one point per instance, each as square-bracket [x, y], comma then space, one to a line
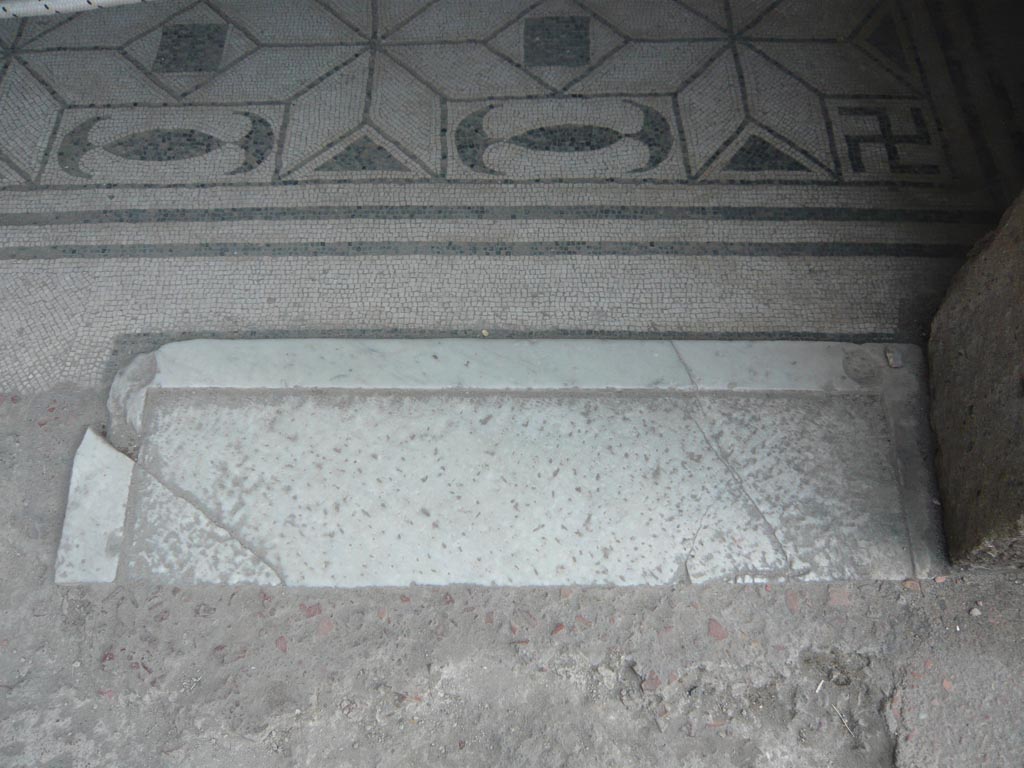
[472, 140]
[567, 138]
[161, 145]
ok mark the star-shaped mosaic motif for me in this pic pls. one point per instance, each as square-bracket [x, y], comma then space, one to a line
[754, 80]
[757, 83]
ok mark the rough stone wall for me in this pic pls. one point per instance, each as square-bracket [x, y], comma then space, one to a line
[977, 378]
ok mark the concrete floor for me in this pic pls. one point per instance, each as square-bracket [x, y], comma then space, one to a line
[180, 170]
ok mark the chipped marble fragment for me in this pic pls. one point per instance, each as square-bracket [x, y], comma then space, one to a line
[93, 524]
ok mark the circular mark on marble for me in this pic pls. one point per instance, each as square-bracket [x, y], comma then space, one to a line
[860, 366]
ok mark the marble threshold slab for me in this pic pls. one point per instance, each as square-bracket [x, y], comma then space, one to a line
[355, 462]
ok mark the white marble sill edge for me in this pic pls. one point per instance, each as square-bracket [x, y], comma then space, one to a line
[504, 365]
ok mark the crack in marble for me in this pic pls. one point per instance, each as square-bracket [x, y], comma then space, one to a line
[693, 542]
[717, 450]
[210, 517]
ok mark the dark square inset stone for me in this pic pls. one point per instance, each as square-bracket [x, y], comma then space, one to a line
[557, 41]
[190, 48]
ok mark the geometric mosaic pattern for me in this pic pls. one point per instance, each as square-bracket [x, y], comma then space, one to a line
[804, 168]
[701, 91]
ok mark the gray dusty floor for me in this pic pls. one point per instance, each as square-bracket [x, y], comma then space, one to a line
[847, 674]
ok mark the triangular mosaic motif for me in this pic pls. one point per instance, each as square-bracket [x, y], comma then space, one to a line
[886, 40]
[363, 154]
[757, 155]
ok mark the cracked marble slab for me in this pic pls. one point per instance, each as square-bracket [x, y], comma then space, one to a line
[386, 463]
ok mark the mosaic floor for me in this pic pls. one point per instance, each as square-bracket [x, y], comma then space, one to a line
[673, 94]
[689, 168]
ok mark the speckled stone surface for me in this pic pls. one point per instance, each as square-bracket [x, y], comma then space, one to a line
[522, 463]
[391, 490]
[20, 9]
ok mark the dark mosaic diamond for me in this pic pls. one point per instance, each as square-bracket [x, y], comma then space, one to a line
[557, 41]
[190, 48]
[756, 154]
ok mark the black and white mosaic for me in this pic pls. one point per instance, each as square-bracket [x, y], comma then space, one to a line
[695, 92]
[207, 144]
[552, 138]
[672, 168]
[190, 48]
[556, 41]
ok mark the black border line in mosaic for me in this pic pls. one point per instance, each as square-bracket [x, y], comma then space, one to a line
[625, 184]
[343, 249]
[976, 218]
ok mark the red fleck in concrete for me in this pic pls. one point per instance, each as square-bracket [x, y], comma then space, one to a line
[838, 597]
[716, 630]
[792, 602]
[325, 627]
